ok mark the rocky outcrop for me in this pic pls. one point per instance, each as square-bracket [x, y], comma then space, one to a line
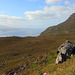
[65, 51]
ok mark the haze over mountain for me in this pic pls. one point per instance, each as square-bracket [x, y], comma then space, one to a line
[66, 27]
[21, 32]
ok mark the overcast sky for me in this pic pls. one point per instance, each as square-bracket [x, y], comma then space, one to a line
[35, 13]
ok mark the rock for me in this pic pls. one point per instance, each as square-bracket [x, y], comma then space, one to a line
[22, 66]
[65, 51]
[36, 60]
[1, 66]
[40, 57]
[24, 56]
[59, 58]
[14, 73]
[3, 74]
[45, 74]
[11, 72]
[67, 48]
[4, 61]
[42, 62]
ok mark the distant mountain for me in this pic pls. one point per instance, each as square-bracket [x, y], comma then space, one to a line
[9, 31]
[66, 27]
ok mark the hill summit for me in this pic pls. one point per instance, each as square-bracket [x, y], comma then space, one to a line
[66, 27]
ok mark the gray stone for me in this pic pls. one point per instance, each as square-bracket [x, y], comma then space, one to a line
[59, 58]
[3, 74]
[45, 74]
[65, 51]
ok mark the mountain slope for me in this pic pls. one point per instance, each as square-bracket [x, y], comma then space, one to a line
[66, 27]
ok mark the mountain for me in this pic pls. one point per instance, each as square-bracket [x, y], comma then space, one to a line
[66, 27]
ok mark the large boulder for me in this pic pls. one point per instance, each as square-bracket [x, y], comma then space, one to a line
[65, 51]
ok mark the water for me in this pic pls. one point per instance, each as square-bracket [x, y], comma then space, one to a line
[20, 32]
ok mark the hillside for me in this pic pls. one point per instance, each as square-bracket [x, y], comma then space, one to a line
[66, 27]
[38, 53]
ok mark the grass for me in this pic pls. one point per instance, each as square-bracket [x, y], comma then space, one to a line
[16, 51]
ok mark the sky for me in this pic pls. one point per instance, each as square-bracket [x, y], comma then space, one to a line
[35, 13]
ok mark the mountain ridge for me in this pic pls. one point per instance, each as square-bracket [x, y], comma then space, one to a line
[66, 27]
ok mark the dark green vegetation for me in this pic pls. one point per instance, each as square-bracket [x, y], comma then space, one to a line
[16, 51]
[66, 27]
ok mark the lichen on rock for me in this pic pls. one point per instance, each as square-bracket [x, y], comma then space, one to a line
[65, 51]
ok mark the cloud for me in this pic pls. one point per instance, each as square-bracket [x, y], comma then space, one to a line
[52, 1]
[40, 18]
[19, 22]
[11, 20]
[69, 3]
[49, 13]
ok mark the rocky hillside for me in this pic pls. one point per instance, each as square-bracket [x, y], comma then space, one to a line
[66, 27]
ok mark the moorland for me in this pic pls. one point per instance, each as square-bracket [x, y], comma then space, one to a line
[36, 55]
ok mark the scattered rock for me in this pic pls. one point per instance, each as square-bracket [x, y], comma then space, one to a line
[45, 74]
[1, 66]
[36, 60]
[11, 72]
[15, 73]
[4, 61]
[65, 51]
[24, 57]
[41, 62]
[3, 74]
[22, 66]
[39, 58]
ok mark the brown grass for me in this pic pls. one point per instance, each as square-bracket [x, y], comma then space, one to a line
[14, 49]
